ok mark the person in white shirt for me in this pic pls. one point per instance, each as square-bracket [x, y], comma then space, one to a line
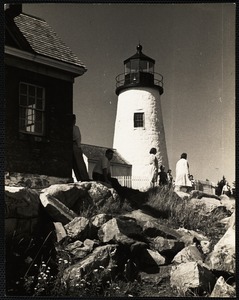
[226, 190]
[79, 166]
[101, 171]
[153, 167]
[182, 173]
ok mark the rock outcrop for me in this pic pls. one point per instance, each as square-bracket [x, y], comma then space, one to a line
[223, 290]
[134, 245]
[223, 256]
[192, 276]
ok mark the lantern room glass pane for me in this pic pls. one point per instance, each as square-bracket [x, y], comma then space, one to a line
[151, 67]
[127, 68]
[134, 65]
[143, 66]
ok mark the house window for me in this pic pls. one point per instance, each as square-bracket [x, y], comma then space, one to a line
[138, 119]
[31, 108]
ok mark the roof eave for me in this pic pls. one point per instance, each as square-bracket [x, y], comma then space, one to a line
[48, 61]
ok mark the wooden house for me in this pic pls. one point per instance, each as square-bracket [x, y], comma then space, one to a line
[39, 75]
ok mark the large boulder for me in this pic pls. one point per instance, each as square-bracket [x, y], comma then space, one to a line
[78, 229]
[223, 256]
[81, 196]
[229, 203]
[150, 260]
[120, 230]
[67, 194]
[79, 250]
[189, 237]
[156, 278]
[22, 214]
[21, 202]
[56, 210]
[192, 276]
[60, 231]
[223, 290]
[207, 205]
[199, 195]
[100, 219]
[188, 254]
[154, 229]
[101, 195]
[166, 247]
[105, 257]
[140, 216]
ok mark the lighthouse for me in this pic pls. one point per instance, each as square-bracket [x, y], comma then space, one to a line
[139, 119]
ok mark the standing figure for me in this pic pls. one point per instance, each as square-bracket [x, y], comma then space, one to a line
[163, 176]
[79, 166]
[182, 173]
[153, 167]
[170, 177]
[226, 190]
[192, 181]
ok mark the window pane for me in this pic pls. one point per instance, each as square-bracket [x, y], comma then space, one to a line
[143, 66]
[134, 65]
[139, 120]
[39, 92]
[38, 116]
[31, 110]
[31, 101]
[38, 127]
[39, 104]
[30, 117]
[22, 124]
[23, 88]
[31, 90]
[22, 113]
[23, 100]
[151, 67]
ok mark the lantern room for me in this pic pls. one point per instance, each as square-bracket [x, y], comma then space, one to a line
[139, 71]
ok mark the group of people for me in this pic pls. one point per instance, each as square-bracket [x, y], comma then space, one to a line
[183, 177]
[101, 171]
[162, 177]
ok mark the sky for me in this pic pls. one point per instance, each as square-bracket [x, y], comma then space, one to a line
[194, 49]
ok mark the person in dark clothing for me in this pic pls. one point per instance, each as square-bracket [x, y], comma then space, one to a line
[170, 177]
[163, 176]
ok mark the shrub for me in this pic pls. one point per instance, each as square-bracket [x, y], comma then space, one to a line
[179, 212]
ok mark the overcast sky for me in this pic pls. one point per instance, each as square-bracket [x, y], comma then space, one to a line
[194, 49]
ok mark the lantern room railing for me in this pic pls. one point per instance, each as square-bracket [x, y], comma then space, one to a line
[134, 78]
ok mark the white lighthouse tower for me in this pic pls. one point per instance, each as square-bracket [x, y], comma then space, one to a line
[139, 121]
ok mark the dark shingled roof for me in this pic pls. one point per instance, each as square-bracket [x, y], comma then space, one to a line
[95, 152]
[43, 40]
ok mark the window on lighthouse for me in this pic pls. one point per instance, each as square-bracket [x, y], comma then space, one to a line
[138, 120]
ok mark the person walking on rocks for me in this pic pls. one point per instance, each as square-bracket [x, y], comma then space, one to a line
[182, 173]
[153, 167]
[79, 166]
